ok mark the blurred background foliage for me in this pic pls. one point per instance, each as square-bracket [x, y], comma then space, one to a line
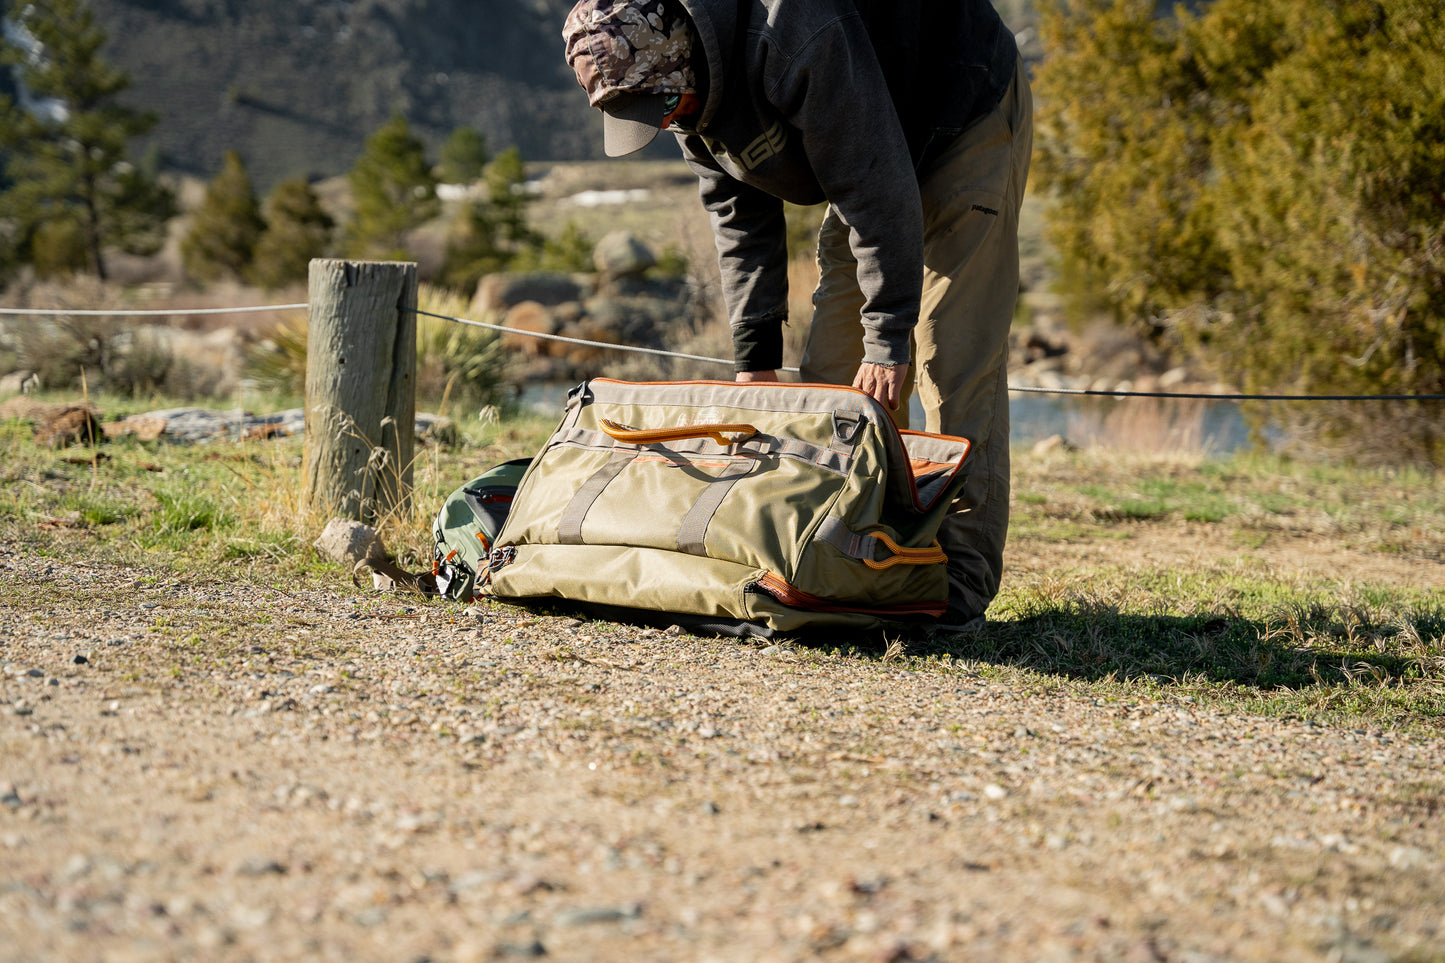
[1262, 186]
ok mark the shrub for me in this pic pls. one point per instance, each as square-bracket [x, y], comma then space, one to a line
[225, 228]
[297, 230]
[1259, 183]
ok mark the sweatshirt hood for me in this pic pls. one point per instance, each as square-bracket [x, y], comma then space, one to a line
[715, 24]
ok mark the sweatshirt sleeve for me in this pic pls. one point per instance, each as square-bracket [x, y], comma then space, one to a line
[834, 93]
[751, 236]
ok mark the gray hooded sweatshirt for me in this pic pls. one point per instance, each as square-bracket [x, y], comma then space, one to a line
[839, 100]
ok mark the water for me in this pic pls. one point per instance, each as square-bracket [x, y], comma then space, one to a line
[1135, 424]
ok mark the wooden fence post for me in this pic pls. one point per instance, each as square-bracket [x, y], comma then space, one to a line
[360, 388]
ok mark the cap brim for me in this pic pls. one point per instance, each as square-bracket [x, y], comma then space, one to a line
[631, 124]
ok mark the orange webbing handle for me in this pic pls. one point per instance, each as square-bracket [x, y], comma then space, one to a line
[647, 436]
[931, 555]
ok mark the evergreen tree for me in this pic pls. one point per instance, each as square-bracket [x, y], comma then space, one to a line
[463, 156]
[394, 192]
[222, 240]
[492, 231]
[297, 230]
[66, 160]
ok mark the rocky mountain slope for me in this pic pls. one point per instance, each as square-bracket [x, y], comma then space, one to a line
[296, 86]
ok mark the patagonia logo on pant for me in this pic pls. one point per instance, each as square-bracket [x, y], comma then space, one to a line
[986, 210]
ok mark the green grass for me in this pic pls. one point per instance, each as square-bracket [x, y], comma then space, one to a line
[1238, 632]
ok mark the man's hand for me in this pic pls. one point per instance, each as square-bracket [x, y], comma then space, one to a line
[746, 377]
[885, 384]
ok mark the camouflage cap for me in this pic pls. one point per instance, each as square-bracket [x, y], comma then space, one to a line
[629, 55]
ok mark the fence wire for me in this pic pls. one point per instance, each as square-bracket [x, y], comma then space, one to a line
[1020, 389]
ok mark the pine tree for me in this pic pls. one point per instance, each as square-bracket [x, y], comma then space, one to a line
[297, 230]
[463, 157]
[66, 159]
[492, 231]
[394, 191]
[222, 240]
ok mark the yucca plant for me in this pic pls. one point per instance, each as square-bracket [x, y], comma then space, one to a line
[458, 366]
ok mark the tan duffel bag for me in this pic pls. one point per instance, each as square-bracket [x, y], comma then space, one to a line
[766, 507]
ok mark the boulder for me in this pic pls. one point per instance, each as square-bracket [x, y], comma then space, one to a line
[20, 383]
[350, 542]
[584, 357]
[498, 292]
[73, 426]
[534, 318]
[622, 254]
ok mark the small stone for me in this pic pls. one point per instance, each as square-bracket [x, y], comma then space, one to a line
[10, 796]
[995, 791]
[475, 612]
[81, 660]
[711, 808]
[597, 914]
[260, 866]
[673, 630]
[34, 673]
[349, 542]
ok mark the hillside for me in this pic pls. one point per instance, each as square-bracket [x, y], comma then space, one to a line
[296, 85]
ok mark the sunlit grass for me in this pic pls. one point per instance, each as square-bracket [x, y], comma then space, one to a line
[1232, 632]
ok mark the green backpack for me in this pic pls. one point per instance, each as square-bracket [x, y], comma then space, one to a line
[467, 525]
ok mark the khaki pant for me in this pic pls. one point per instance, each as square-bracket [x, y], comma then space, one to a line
[971, 199]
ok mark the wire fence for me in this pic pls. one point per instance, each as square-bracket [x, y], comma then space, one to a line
[660, 352]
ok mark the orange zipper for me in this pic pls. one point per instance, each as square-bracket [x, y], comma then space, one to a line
[798, 599]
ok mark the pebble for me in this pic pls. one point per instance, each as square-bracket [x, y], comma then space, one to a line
[80, 660]
[597, 914]
[995, 791]
[530, 950]
[259, 866]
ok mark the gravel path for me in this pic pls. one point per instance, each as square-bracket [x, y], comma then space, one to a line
[207, 769]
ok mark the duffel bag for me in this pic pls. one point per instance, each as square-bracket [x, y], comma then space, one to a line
[771, 505]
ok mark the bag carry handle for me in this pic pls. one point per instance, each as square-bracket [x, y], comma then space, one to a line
[931, 555]
[646, 436]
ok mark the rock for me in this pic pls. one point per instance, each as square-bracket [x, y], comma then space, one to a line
[581, 355]
[20, 383]
[72, 426]
[350, 542]
[498, 292]
[622, 253]
[599, 914]
[529, 318]
[1173, 378]
[259, 866]
[435, 430]
[144, 427]
[1053, 443]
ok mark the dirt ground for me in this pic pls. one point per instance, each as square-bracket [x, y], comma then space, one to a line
[203, 768]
